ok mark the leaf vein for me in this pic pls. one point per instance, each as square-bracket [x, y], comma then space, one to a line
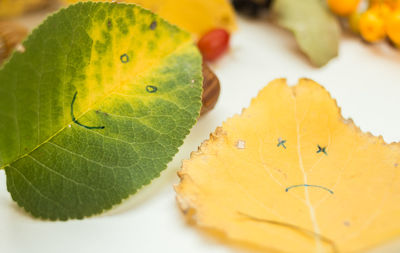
[59, 174]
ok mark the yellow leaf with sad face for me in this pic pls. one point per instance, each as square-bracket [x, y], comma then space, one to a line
[291, 175]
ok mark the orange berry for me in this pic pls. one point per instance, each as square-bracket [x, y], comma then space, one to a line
[393, 27]
[382, 9]
[372, 26]
[393, 4]
[343, 7]
[396, 5]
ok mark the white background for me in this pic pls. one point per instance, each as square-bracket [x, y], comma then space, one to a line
[364, 79]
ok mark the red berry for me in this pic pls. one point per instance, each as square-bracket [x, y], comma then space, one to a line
[213, 44]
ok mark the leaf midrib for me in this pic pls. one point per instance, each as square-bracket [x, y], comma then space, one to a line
[309, 205]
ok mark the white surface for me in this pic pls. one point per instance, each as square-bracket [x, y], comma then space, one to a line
[365, 80]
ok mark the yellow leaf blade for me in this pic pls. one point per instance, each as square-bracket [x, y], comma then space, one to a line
[291, 169]
[195, 16]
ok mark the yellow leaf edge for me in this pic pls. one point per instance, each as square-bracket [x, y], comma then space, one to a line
[188, 206]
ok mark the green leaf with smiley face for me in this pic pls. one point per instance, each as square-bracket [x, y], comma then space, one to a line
[95, 108]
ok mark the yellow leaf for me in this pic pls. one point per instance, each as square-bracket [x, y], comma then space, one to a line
[291, 175]
[11, 8]
[195, 16]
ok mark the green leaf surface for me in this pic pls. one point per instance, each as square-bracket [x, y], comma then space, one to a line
[316, 30]
[95, 108]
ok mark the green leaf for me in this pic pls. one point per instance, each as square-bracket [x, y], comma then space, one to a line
[316, 30]
[95, 108]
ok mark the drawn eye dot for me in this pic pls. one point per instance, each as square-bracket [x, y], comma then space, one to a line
[124, 58]
[153, 25]
[151, 88]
